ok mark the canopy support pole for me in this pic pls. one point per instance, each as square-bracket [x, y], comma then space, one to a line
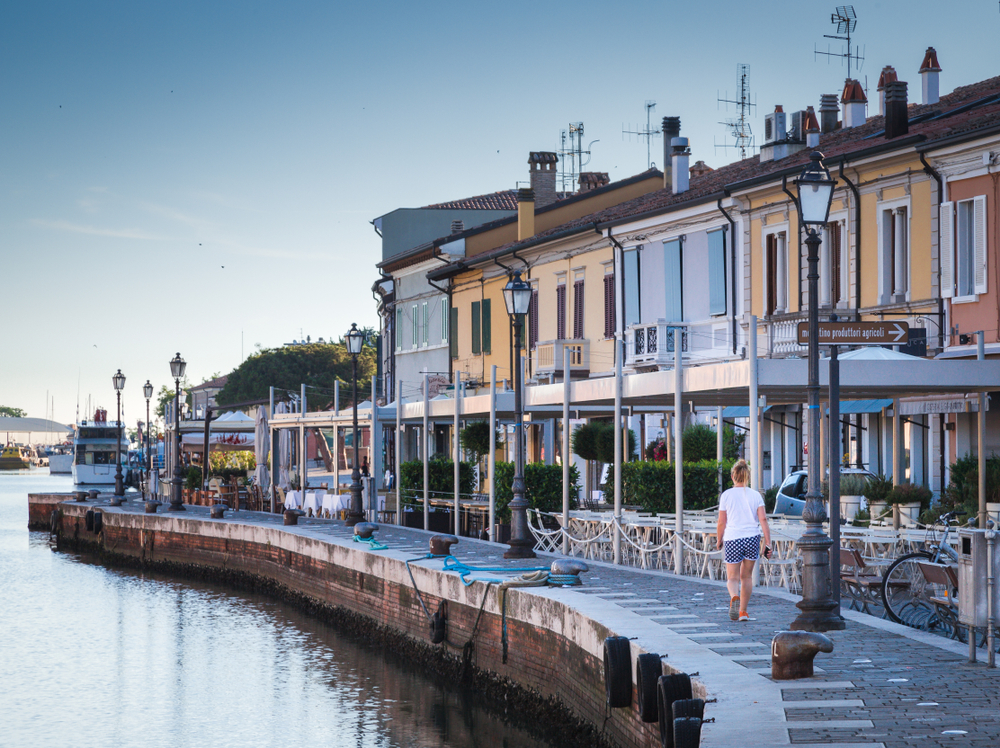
[458, 455]
[617, 543]
[427, 444]
[491, 460]
[678, 334]
[565, 448]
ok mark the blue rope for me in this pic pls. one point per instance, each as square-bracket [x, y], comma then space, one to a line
[463, 570]
[564, 580]
[372, 543]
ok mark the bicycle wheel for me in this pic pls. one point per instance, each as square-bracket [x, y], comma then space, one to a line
[904, 592]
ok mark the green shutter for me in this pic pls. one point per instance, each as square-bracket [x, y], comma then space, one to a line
[477, 337]
[487, 333]
[453, 333]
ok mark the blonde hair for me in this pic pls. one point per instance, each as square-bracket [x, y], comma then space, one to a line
[740, 472]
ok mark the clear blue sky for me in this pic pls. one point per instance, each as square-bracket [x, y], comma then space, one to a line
[147, 145]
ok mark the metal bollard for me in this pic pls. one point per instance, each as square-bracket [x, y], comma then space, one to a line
[792, 653]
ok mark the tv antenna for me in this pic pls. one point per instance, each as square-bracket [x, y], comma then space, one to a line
[647, 133]
[739, 126]
[571, 153]
[846, 20]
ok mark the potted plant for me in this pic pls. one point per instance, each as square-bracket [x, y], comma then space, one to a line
[876, 492]
[852, 488]
[912, 499]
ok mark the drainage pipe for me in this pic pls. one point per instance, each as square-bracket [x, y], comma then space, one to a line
[857, 240]
[732, 271]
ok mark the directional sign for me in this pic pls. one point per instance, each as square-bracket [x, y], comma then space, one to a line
[857, 333]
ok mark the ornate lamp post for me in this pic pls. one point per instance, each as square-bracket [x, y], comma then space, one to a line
[355, 339]
[177, 367]
[118, 380]
[147, 390]
[517, 298]
[815, 194]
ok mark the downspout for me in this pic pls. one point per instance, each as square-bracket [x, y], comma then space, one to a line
[928, 169]
[446, 292]
[857, 236]
[732, 266]
[621, 296]
[510, 323]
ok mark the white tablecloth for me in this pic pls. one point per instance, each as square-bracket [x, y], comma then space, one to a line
[333, 503]
[293, 499]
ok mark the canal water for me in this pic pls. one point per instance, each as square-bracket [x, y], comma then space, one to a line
[93, 657]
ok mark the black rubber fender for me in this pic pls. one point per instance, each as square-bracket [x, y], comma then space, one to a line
[670, 688]
[689, 708]
[88, 520]
[439, 623]
[55, 521]
[648, 670]
[687, 732]
[98, 522]
[618, 672]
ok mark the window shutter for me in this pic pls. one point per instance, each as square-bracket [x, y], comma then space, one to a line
[533, 320]
[946, 250]
[717, 272]
[835, 260]
[415, 322]
[979, 242]
[609, 306]
[453, 333]
[425, 327]
[672, 280]
[445, 320]
[578, 310]
[771, 258]
[487, 331]
[561, 312]
[399, 328]
[477, 330]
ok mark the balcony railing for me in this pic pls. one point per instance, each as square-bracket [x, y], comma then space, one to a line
[652, 344]
[549, 357]
[782, 334]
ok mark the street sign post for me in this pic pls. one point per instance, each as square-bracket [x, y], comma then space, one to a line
[857, 333]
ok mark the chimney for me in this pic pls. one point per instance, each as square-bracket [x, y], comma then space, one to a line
[811, 128]
[542, 166]
[591, 180]
[854, 101]
[525, 213]
[929, 70]
[671, 129]
[896, 115]
[829, 111]
[700, 168]
[457, 227]
[888, 76]
[679, 164]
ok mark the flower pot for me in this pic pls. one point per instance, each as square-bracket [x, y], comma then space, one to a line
[877, 509]
[849, 507]
[908, 514]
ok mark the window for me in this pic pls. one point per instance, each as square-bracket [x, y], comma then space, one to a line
[578, 308]
[453, 332]
[609, 305]
[630, 271]
[415, 322]
[775, 273]
[399, 328]
[425, 326]
[717, 272]
[893, 254]
[561, 311]
[445, 320]
[963, 248]
[673, 265]
[533, 320]
[477, 330]
[487, 330]
[836, 262]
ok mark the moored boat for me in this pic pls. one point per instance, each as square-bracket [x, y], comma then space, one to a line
[95, 449]
[15, 457]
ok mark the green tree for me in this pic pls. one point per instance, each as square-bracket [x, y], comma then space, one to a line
[700, 443]
[316, 365]
[10, 412]
[166, 395]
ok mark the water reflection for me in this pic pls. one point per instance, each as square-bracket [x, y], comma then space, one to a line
[97, 657]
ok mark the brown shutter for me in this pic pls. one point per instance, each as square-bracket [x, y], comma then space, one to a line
[561, 312]
[578, 310]
[772, 276]
[609, 306]
[835, 263]
[533, 321]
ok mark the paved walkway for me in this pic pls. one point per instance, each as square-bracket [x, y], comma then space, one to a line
[884, 684]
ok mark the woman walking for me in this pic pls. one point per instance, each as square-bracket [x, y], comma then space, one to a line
[742, 521]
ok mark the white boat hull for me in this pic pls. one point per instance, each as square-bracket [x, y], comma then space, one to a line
[60, 464]
[101, 475]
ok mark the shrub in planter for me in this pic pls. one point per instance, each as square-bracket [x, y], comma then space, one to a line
[770, 497]
[440, 479]
[193, 478]
[910, 493]
[877, 489]
[650, 485]
[542, 487]
[700, 443]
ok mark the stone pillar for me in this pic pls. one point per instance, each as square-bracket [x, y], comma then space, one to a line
[899, 254]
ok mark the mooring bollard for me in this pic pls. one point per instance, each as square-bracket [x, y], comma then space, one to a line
[218, 511]
[364, 530]
[565, 572]
[93, 494]
[292, 516]
[792, 653]
[151, 506]
[441, 544]
[81, 495]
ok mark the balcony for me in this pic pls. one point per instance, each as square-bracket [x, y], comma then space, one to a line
[549, 358]
[782, 335]
[652, 344]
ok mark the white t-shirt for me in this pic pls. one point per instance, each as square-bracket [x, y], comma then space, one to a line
[740, 506]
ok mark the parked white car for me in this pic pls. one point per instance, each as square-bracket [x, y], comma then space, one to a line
[791, 498]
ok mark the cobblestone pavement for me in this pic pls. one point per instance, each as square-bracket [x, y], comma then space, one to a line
[883, 684]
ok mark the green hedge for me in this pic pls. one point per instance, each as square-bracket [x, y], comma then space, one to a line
[441, 479]
[650, 485]
[542, 487]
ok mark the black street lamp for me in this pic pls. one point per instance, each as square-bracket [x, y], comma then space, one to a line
[177, 367]
[118, 380]
[147, 390]
[517, 297]
[819, 610]
[355, 339]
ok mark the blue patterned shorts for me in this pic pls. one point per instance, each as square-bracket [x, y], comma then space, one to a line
[742, 549]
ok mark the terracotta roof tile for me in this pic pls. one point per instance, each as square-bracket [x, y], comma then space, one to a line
[503, 200]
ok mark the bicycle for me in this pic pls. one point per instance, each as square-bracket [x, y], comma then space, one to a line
[906, 595]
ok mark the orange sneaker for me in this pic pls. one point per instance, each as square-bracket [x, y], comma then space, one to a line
[734, 608]
[744, 616]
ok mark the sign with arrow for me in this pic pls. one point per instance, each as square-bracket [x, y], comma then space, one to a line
[857, 333]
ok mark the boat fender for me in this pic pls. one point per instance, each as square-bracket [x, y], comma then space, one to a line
[88, 520]
[648, 669]
[671, 688]
[55, 522]
[687, 732]
[98, 522]
[439, 623]
[618, 671]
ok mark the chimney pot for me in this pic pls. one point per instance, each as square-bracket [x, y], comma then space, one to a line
[829, 112]
[811, 127]
[591, 180]
[671, 128]
[457, 227]
[929, 72]
[896, 115]
[679, 164]
[887, 76]
[700, 168]
[542, 167]
[854, 101]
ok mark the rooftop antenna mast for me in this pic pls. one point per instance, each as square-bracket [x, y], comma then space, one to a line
[846, 20]
[571, 153]
[647, 133]
[739, 126]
